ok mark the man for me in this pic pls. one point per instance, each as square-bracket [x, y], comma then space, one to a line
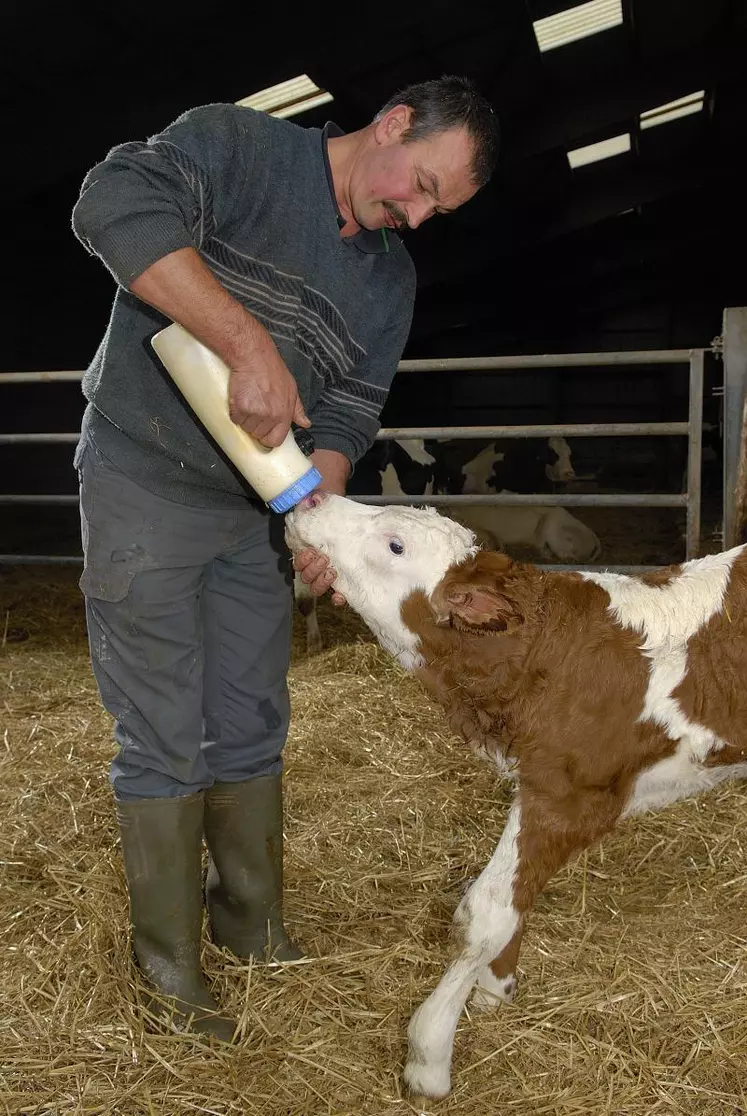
[278, 248]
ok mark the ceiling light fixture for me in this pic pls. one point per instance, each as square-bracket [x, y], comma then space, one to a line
[577, 23]
[593, 152]
[288, 97]
[672, 110]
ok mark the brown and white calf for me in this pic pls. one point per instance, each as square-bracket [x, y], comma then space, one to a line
[602, 695]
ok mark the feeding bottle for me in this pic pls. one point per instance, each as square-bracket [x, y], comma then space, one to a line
[280, 475]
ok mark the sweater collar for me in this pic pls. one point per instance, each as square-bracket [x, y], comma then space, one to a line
[366, 240]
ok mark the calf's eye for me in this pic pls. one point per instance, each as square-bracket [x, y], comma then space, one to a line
[396, 546]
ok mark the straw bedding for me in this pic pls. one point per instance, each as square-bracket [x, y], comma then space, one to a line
[633, 973]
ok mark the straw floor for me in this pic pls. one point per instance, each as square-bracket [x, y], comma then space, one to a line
[633, 990]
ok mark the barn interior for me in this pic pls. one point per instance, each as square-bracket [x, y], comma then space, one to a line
[614, 223]
[636, 250]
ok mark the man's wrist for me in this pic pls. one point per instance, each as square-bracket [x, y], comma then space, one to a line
[335, 469]
[246, 341]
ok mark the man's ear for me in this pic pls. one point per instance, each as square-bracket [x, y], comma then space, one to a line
[392, 126]
[475, 607]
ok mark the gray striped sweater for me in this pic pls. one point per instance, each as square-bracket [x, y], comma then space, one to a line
[253, 195]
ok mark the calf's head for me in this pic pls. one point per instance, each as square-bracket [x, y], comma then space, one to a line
[382, 555]
[560, 469]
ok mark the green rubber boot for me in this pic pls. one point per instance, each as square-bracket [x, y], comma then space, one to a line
[162, 846]
[244, 890]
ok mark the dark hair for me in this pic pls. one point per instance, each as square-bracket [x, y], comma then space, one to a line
[451, 102]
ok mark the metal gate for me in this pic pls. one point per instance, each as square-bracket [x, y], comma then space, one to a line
[693, 359]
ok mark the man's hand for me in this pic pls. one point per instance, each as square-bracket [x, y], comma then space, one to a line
[263, 395]
[313, 567]
[317, 573]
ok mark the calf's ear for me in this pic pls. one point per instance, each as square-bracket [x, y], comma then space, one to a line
[475, 607]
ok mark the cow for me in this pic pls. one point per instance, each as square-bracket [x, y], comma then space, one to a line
[520, 464]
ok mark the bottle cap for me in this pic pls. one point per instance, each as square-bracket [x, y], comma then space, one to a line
[300, 488]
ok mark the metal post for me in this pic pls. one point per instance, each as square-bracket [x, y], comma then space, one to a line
[735, 396]
[694, 456]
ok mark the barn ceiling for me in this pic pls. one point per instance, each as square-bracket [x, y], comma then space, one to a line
[542, 251]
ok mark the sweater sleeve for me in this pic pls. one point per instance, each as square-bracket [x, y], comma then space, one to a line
[147, 199]
[346, 416]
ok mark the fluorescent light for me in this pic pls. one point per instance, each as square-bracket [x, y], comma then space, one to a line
[303, 106]
[288, 97]
[596, 151]
[672, 110]
[577, 23]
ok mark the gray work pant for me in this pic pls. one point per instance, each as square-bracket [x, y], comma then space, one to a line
[189, 614]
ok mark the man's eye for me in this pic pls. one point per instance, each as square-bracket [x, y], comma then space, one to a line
[396, 546]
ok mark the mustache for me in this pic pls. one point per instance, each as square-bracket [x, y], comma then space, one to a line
[399, 216]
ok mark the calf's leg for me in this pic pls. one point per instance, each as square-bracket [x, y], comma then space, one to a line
[538, 838]
[498, 981]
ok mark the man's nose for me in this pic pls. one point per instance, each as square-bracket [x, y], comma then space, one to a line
[418, 212]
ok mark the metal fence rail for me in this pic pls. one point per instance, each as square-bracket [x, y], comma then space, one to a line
[546, 360]
[403, 433]
[542, 499]
[692, 429]
[455, 364]
[500, 499]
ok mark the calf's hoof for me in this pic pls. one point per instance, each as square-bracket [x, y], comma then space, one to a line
[432, 1082]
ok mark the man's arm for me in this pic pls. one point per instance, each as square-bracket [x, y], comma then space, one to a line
[148, 207]
[262, 395]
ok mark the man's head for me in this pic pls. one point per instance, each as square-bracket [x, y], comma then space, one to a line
[428, 150]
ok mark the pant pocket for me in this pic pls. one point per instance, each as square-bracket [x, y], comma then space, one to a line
[110, 525]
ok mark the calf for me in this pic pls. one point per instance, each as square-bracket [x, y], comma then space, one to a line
[601, 696]
[552, 531]
[520, 464]
[409, 471]
[407, 459]
[530, 463]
